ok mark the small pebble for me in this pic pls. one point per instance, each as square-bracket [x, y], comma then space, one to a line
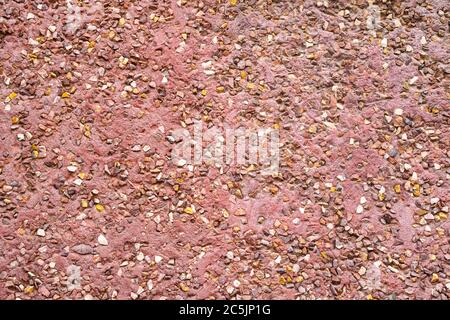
[102, 240]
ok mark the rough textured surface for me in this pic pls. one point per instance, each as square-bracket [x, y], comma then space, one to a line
[92, 207]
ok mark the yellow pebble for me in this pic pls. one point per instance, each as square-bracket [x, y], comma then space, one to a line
[312, 129]
[15, 120]
[416, 190]
[84, 203]
[184, 287]
[434, 278]
[12, 95]
[188, 210]
[28, 290]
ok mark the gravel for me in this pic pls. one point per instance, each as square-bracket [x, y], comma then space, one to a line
[102, 240]
[89, 104]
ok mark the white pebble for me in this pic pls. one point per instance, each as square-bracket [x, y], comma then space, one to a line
[423, 40]
[359, 209]
[140, 290]
[181, 163]
[429, 216]
[140, 256]
[72, 168]
[102, 240]
[398, 111]
[362, 271]
[230, 289]
[278, 260]
[413, 80]
[434, 200]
